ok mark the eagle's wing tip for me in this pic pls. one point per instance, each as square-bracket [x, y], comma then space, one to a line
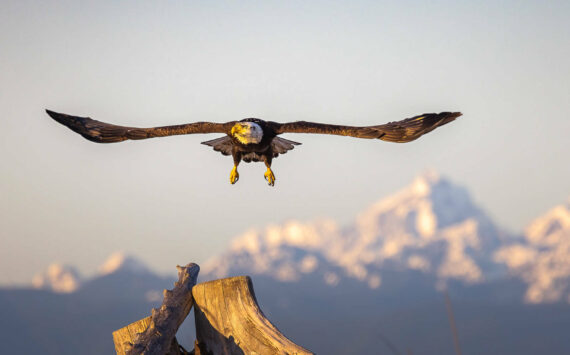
[446, 117]
[56, 115]
[60, 117]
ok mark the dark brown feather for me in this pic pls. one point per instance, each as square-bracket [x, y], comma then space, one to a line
[403, 131]
[281, 146]
[223, 145]
[101, 132]
[252, 156]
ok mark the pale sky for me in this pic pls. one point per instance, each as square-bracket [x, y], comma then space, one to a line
[168, 201]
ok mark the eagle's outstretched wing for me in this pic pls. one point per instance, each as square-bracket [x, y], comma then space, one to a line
[101, 132]
[402, 131]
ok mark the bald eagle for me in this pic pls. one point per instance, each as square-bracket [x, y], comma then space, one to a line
[253, 139]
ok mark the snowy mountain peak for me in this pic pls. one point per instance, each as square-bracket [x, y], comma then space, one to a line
[550, 228]
[119, 261]
[282, 251]
[57, 278]
[423, 183]
[429, 204]
[293, 233]
[542, 259]
[431, 226]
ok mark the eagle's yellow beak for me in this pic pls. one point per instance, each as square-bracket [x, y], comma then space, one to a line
[237, 129]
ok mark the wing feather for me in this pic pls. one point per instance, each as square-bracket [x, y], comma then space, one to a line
[281, 146]
[223, 145]
[402, 131]
[101, 132]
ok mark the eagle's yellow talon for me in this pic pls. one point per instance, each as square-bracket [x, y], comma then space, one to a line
[269, 177]
[234, 176]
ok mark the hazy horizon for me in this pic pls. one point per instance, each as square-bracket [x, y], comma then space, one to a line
[168, 201]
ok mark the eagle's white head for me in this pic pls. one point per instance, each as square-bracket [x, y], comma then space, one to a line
[247, 132]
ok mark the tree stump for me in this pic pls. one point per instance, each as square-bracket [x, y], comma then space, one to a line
[229, 321]
[155, 335]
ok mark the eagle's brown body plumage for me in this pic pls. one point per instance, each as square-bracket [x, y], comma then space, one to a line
[243, 141]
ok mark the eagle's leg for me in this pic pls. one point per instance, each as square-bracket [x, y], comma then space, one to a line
[234, 175]
[269, 176]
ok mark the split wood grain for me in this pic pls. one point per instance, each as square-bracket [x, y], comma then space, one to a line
[230, 322]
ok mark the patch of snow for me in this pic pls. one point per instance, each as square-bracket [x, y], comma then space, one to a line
[516, 256]
[543, 259]
[417, 262]
[153, 296]
[309, 264]
[374, 281]
[287, 273]
[120, 261]
[57, 278]
[331, 279]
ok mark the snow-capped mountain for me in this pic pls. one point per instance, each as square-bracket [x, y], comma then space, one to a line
[120, 266]
[542, 260]
[376, 275]
[283, 252]
[120, 261]
[431, 225]
[58, 278]
[86, 309]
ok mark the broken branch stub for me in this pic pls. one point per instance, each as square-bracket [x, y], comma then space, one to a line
[158, 337]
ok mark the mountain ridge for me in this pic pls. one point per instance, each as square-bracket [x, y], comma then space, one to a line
[382, 273]
[413, 229]
[431, 226]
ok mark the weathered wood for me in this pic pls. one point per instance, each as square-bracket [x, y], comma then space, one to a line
[126, 335]
[229, 321]
[155, 335]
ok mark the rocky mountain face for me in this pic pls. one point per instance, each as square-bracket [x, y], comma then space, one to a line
[431, 226]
